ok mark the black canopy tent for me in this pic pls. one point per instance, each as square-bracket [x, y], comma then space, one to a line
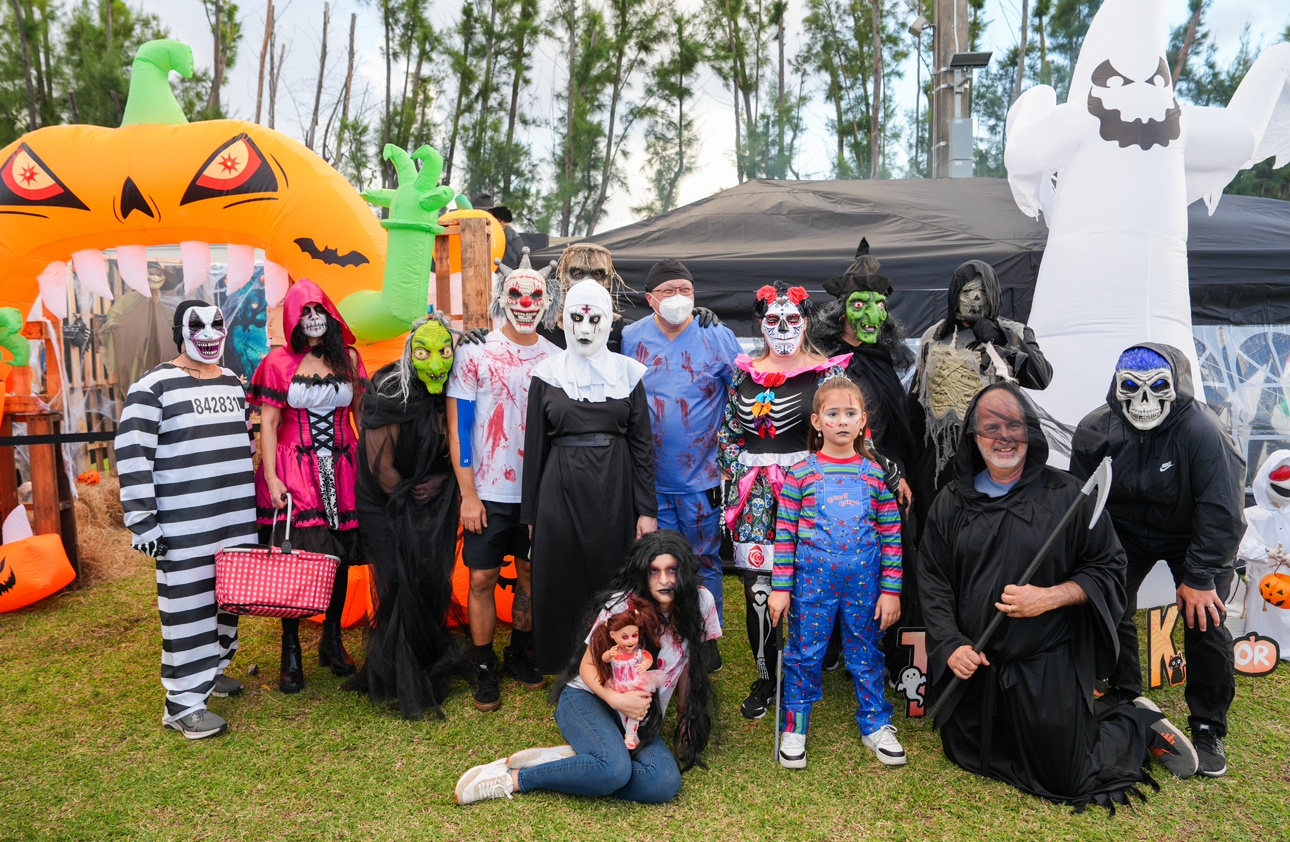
[921, 230]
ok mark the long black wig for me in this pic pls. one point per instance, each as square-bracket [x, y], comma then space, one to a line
[685, 620]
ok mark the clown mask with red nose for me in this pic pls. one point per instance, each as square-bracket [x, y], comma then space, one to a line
[522, 296]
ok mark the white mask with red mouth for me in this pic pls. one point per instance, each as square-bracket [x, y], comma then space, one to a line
[204, 334]
[523, 297]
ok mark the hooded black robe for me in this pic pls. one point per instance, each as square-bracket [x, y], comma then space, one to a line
[1029, 718]
[412, 546]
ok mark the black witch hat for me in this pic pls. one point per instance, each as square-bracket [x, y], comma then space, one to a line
[860, 276]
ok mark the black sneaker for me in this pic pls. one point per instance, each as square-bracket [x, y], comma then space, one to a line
[225, 687]
[1169, 744]
[833, 656]
[518, 666]
[760, 698]
[713, 656]
[488, 691]
[1209, 745]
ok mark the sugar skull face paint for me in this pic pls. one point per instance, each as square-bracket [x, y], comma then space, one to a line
[432, 355]
[204, 334]
[313, 320]
[590, 327]
[783, 327]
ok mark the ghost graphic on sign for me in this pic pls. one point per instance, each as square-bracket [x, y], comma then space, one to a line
[1112, 171]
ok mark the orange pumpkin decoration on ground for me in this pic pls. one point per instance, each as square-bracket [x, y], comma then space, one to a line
[1275, 589]
[358, 599]
[32, 569]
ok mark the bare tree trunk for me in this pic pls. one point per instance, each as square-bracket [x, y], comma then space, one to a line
[26, 67]
[40, 76]
[508, 169]
[71, 100]
[265, 48]
[782, 9]
[875, 114]
[566, 209]
[322, 71]
[622, 9]
[387, 173]
[344, 102]
[734, 86]
[275, 73]
[467, 39]
[1187, 40]
[486, 89]
[1021, 50]
[217, 75]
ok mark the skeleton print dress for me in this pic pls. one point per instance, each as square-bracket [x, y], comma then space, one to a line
[763, 434]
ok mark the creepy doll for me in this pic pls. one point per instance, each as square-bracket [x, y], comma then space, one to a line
[618, 649]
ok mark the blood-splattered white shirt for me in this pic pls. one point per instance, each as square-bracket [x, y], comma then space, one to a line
[496, 375]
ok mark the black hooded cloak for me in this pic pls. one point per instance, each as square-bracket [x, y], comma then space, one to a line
[412, 546]
[1029, 719]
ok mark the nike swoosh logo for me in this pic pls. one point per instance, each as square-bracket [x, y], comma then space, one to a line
[1166, 466]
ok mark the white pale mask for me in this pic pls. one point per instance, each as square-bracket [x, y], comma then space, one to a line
[204, 334]
[313, 320]
[525, 299]
[1146, 396]
[588, 328]
[783, 327]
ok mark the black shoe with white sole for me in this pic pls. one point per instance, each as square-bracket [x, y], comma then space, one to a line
[225, 687]
[1209, 747]
[760, 697]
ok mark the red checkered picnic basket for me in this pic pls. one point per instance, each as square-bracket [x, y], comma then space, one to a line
[274, 581]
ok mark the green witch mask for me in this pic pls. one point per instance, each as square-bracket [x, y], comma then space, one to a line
[866, 312]
[432, 355]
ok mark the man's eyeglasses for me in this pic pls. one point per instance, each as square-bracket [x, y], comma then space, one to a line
[668, 292]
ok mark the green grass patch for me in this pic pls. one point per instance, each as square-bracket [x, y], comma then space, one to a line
[83, 756]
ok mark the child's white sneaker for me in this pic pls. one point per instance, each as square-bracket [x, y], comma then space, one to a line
[491, 780]
[792, 750]
[537, 756]
[886, 746]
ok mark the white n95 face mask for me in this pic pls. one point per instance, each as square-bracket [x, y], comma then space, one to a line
[676, 309]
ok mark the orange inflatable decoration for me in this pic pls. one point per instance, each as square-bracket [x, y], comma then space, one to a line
[505, 592]
[358, 599]
[32, 569]
[1275, 589]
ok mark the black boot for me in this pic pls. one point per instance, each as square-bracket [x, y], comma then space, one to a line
[292, 677]
[331, 650]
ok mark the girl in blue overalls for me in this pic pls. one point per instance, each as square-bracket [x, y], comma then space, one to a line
[837, 553]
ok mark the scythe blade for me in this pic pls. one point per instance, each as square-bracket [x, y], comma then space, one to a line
[1101, 480]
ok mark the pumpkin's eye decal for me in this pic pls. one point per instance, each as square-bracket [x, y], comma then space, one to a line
[25, 180]
[236, 168]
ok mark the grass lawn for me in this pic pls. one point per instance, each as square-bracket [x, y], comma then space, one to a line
[84, 756]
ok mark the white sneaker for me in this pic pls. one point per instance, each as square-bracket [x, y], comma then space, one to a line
[492, 780]
[537, 756]
[886, 746]
[792, 750]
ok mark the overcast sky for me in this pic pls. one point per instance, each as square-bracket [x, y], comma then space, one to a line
[301, 26]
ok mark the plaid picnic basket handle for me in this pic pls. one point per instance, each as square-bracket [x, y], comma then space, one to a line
[274, 582]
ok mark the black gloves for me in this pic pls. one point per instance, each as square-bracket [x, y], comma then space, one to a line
[474, 336]
[706, 317]
[986, 330]
[155, 550]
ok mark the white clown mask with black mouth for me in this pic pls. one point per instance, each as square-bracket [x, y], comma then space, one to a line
[586, 327]
[783, 326]
[1144, 387]
[204, 334]
[313, 320]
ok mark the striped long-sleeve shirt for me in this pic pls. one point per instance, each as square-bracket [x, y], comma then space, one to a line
[795, 524]
[184, 458]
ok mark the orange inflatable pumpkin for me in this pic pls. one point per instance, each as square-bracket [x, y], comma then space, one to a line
[358, 599]
[1275, 589]
[504, 593]
[32, 569]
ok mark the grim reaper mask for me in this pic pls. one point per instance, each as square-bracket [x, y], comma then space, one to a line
[1144, 387]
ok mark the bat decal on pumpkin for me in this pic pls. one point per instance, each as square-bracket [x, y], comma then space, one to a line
[329, 255]
[7, 584]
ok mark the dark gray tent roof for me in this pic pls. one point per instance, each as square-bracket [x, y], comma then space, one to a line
[922, 229]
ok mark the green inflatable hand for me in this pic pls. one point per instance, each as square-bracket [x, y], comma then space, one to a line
[11, 338]
[415, 206]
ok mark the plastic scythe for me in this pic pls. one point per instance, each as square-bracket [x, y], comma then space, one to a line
[1101, 481]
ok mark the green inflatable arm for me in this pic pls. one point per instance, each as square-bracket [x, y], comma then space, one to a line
[11, 338]
[151, 100]
[415, 207]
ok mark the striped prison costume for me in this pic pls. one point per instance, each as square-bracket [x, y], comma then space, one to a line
[184, 457]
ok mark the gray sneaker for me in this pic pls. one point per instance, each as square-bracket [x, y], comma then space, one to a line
[225, 687]
[199, 725]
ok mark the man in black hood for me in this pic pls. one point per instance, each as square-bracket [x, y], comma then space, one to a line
[1178, 495]
[1025, 712]
[960, 355]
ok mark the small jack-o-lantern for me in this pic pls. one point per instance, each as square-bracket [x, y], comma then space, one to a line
[32, 569]
[1275, 589]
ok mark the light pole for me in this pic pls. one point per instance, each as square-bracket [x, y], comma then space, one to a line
[916, 28]
[961, 133]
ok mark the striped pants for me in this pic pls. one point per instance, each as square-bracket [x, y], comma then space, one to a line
[197, 639]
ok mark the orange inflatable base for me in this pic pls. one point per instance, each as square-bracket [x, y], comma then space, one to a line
[504, 594]
[358, 599]
[32, 569]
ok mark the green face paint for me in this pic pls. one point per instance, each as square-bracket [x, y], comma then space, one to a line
[866, 313]
[432, 355]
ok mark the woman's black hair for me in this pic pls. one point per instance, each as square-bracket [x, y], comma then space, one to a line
[694, 716]
[334, 353]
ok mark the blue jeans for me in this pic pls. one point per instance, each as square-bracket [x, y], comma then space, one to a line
[602, 765]
[695, 518]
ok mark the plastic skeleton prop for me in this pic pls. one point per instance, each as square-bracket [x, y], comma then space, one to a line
[524, 297]
[204, 334]
[1144, 386]
[783, 321]
[1113, 170]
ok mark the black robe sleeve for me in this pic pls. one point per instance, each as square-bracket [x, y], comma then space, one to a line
[1088, 445]
[640, 440]
[1099, 569]
[937, 586]
[1030, 367]
[537, 447]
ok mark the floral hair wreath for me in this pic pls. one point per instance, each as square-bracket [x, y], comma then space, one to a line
[794, 294]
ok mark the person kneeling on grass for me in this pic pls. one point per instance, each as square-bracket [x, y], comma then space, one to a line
[837, 554]
[660, 574]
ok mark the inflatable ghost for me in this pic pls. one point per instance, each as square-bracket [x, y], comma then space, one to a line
[1113, 171]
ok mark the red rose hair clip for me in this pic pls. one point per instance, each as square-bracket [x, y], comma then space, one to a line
[767, 294]
[797, 295]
